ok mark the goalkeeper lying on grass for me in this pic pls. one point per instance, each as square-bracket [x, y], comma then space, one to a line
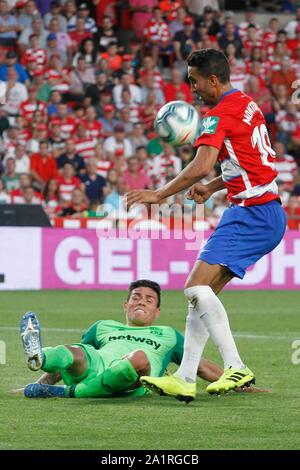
[112, 356]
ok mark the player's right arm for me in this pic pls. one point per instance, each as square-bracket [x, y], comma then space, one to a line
[204, 161]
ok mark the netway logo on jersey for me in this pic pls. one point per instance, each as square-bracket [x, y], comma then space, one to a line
[209, 125]
[137, 339]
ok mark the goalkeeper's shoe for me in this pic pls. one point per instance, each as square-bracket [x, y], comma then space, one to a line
[231, 379]
[44, 391]
[172, 386]
[31, 339]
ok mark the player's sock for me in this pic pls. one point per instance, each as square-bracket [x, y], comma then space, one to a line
[195, 336]
[117, 378]
[56, 359]
[214, 316]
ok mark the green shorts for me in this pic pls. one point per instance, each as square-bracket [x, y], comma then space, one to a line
[96, 367]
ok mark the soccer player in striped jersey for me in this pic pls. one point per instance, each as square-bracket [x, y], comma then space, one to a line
[233, 133]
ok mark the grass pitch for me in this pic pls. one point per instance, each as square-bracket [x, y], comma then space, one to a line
[264, 323]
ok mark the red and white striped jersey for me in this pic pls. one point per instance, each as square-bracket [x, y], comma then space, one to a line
[157, 76]
[287, 168]
[67, 126]
[157, 31]
[103, 167]
[269, 36]
[66, 187]
[93, 129]
[85, 147]
[249, 45]
[28, 108]
[236, 126]
[38, 55]
[243, 30]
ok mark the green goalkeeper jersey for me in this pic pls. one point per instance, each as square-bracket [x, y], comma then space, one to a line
[161, 344]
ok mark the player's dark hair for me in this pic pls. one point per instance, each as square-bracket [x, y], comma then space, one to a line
[210, 62]
[145, 283]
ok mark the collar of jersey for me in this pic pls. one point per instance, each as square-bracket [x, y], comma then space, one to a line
[228, 93]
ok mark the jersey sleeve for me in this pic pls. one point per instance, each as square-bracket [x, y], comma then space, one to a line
[177, 353]
[90, 335]
[213, 131]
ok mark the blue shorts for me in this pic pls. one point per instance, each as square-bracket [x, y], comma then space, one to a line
[244, 235]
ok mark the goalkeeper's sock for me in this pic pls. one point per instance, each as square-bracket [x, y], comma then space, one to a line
[56, 359]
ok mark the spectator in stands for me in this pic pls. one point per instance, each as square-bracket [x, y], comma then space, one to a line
[157, 36]
[288, 172]
[11, 62]
[30, 197]
[92, 183]
[135, 177]
[285, 76]
[135, 91]
[107, 34]
[10, 177]
[42, 165]
[9, 26]
[230, 36]
[22, 160]
[138, 138]
[77, 206]
[29, 12]
[185, 41]
[35, 28]
[208, 18]
[89, 51]
[56, 141]
[69, 11]
[118, 144]
[70, 156]
[64, 42]
[80, 79]
[4, 196]
[67, 182]
[293, 213]
[281, 97]
[16, 93]
[79, 34]
[83, 12]
[287, 121]
[55, 13]
[115, 195]
[293, 24]
[166, 165]
[177, 86]
[150, 87]
[108, 121]
[50, 197]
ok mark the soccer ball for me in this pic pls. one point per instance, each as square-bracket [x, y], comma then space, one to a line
[177, 123]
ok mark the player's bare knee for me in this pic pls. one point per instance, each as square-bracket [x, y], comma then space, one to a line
[78, 355]
[140, 362]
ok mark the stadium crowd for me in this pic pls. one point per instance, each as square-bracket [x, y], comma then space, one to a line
[82, 83]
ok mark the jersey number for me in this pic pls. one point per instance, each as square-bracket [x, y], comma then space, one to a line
[260, 137]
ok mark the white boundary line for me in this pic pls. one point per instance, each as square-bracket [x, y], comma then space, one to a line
[237, 334]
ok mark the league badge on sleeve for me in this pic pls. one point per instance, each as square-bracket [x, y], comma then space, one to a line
[209, 125]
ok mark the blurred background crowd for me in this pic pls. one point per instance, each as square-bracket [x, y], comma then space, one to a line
[81, 84]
